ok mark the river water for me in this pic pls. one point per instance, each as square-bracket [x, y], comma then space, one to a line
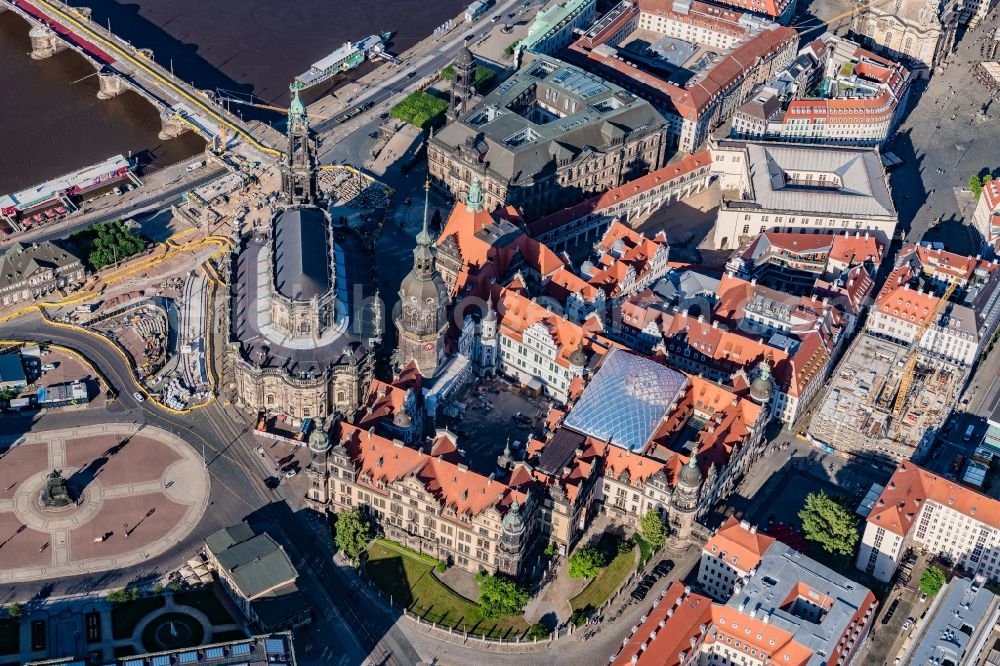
[51, 121]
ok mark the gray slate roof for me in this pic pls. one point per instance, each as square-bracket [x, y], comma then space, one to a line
[301, 253]
[780, 571]
[21, 260]
[256, 564]
[965, 607]
[864, 191]
[11, 369]
[596, 111]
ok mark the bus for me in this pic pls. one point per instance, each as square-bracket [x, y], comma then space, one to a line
[968, 433]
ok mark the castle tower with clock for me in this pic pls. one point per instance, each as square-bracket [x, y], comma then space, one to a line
[422, 321]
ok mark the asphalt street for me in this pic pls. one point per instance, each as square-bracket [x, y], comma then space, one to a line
[157, 200]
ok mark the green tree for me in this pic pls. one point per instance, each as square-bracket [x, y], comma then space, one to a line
[500, 595]
[653, 528]
[509, 49]
[353, 533]
[931, 580]
[550, 549]
[15, 611]
[537, 632]
[976, 186]
[483, 79]
[829, 523]
[586, 562]
[123, 595]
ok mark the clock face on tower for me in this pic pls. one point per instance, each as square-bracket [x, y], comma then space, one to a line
[428, 346]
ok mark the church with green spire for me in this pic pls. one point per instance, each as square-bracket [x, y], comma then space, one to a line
[298, 165]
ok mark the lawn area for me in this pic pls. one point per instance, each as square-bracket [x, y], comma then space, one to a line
[207, 602]
[604, 583]
[124, 617]
[411, 583]
[419, 108]
[10, 637]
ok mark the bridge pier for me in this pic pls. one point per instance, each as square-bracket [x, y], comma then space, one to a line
[171, 125]
[45, 43]
[111, 84]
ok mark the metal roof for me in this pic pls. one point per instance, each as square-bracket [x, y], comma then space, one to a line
[626, 400]
[862, 190]
[301, 253]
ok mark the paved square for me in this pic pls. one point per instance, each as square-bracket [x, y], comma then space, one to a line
[137, 492]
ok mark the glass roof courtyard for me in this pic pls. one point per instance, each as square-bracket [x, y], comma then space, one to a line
[626, 400]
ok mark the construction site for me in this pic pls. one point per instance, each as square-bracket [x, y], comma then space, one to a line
[863, 411]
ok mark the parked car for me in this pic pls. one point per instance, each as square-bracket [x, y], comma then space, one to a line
[664, 567]
[889, 611]
[138, 397]
[373, 135]
[908, 624]
[290, 473]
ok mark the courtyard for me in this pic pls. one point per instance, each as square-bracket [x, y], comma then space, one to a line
[486, 422]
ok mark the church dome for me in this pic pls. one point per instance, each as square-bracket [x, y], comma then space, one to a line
[512, 522]
[690, 474]
[464, 57]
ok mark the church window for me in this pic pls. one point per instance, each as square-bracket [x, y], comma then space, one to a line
[341, 396]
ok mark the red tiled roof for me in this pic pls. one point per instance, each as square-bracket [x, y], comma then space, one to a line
[688, 164]
[454, 485]
[738, 542]
[910, 487]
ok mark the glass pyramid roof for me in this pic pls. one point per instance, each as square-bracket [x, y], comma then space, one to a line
[626, 400]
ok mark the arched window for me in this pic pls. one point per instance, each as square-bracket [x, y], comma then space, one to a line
[908, 48]
[888, 40]
[341, 396]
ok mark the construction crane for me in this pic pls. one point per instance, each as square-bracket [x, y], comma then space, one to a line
[260, 105]
[911, 359]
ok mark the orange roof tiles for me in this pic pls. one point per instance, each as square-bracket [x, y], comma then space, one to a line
[745, 545]
[685, 618]
[485, 262]
[518, 313]
[688, 164]
[911, 486]
[453, 485]
[897, 300]
[683, 621]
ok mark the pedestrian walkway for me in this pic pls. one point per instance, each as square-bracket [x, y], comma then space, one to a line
[137, 491]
